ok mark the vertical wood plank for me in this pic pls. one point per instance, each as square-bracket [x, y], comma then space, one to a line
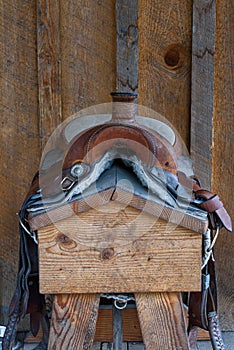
[88, 53]
[73, 321]
[202, 92]
[212, 120]
[164, 60]
[127, 45]
[223, 161]
[162, 320]
[49, 67]
[19, 151]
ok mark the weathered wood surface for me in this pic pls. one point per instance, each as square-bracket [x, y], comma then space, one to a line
[157, 210]
[162, 320]
[131, 326]
[212, 125]
[164, 60]
[20, 148]
[68, 210]
[223, 160]
[121, 185]
[49, 67]
[118, 249]
[88, 74]
[127, 46]
[88, 52]
[73, 321]
[202, 88]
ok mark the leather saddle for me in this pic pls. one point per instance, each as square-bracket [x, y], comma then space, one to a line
[78, 161]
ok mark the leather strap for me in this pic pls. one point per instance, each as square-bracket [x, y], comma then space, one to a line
[203, 305]
[215, 333]
[212, 204]
[26, 298]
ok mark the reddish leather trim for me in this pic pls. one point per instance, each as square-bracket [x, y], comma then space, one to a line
[213, 204]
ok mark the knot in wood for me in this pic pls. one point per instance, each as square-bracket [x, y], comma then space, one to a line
[174, 56]
[63, 239]
[107, 253]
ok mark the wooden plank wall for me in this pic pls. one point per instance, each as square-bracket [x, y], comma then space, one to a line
[75, 68]
[19, 132]
[223, 145]
[164, 60]
[212, 121]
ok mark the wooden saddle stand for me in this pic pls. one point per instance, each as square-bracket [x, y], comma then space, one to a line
[111, 216]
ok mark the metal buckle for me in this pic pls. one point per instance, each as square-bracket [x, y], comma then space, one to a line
[67, 178]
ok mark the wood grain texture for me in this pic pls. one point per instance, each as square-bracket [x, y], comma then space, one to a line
[162, 321]
[223, 163]
[20, 149]
[49, 67]
[73, 321]
[202, 90]
[68, 210]
[127, 46]
[88, 53]
[119, 185]
[162, 211]
[118, 249]
[104, 329]
[164, 60]
[131, 326]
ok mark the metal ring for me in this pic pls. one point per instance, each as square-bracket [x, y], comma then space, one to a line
[121, 301]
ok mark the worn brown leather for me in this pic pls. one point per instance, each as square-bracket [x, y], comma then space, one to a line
[91, 145]
[212, 204]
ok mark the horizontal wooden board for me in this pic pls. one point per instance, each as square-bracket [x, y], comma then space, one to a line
[84, 204]
[126, 251]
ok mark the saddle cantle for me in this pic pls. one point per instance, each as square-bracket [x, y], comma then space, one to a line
[79, 159]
